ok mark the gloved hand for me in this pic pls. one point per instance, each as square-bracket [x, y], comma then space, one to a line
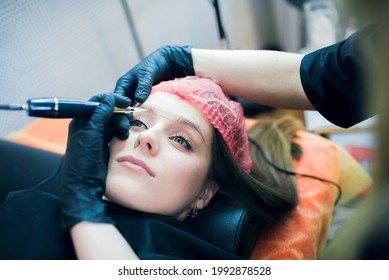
[164, 64]
[86, 158]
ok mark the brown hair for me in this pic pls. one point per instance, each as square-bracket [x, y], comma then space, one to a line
[266, 193]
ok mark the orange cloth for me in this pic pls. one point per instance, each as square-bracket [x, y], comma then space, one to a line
[46, 134]
[303, 233]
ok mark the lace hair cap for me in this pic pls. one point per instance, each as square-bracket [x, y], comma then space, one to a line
[224, 114]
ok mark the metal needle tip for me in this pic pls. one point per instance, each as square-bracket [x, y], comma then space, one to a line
[129, 110]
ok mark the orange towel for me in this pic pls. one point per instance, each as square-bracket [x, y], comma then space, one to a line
[46, 134]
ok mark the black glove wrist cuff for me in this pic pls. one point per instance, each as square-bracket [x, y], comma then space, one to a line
[183, 61]
[91, 211]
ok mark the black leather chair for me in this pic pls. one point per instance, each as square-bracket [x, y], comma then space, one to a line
[24, 167]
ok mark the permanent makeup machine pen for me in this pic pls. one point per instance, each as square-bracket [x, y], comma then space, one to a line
[53, 107]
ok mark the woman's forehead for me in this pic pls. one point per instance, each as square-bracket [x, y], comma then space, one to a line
[176, 109]
[172, 107]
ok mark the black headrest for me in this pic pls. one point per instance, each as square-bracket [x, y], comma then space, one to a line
[227, 227]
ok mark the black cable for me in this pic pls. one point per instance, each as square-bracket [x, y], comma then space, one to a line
[222, 33]
[52, 176]
[289, 172]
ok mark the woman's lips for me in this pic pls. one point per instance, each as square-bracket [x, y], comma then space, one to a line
[136, 164]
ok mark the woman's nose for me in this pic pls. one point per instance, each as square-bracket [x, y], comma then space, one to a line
[146, 141]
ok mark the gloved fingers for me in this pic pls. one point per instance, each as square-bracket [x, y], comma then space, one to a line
[118, 126]
[163, 64]
[122, 126]
[136, 83]
[143, 89]
[122, 101]
[102, 114]
[126, 84]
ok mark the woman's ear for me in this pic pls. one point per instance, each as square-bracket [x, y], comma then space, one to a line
[207, 194]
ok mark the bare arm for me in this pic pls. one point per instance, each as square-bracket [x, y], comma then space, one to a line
[100, 241]
[353, 179]
[270, 78]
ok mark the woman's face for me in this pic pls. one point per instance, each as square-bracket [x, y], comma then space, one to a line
[162, 167]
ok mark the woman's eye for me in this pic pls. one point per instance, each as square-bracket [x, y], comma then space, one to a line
[138, 123]
[181, 140]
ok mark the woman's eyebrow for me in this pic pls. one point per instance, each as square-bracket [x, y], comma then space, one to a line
[190, 124]
[177, 119]
[149, 108]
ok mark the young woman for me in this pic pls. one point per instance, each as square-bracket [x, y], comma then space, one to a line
[189, 149]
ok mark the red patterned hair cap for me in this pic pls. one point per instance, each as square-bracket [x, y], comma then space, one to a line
[224, 114]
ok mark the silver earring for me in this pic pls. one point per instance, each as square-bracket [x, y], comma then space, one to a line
[193, 213]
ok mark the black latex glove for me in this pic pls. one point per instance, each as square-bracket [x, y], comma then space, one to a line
[86, 158]
[166, 63]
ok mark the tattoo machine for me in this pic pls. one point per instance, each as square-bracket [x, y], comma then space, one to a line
[53, 107]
